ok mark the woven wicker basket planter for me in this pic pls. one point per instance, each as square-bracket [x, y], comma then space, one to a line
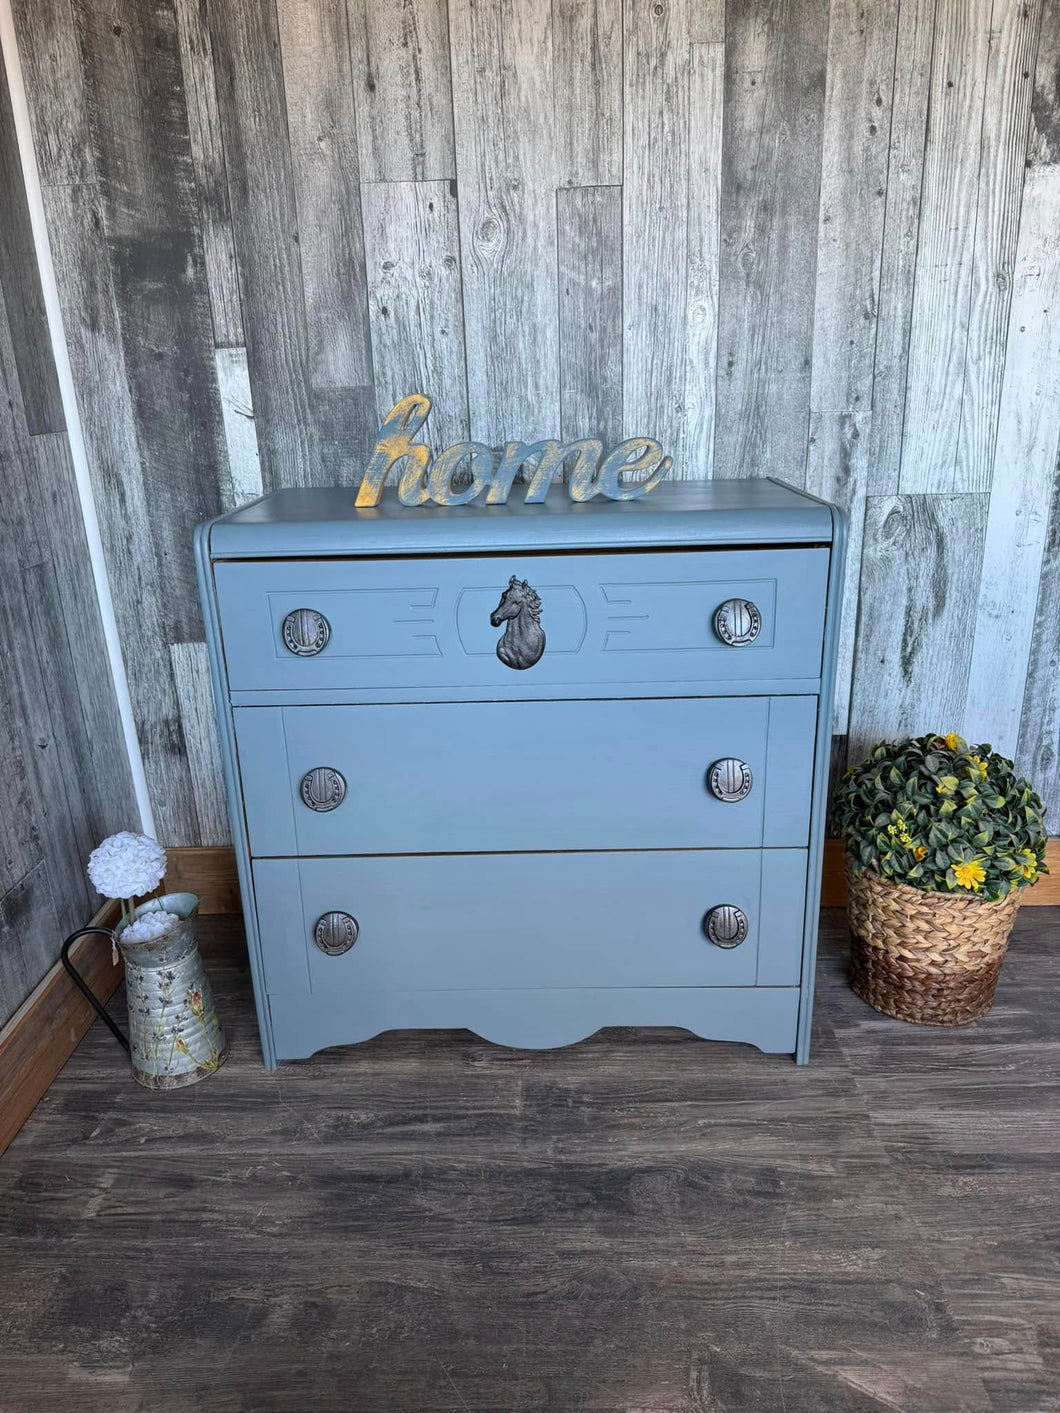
[929, 958]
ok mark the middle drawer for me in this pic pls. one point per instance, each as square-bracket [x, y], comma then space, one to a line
[494, 777]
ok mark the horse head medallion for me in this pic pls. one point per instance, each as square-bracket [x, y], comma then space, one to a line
[520, 612]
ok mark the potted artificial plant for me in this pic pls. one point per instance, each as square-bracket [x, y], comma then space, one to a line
[941, 839]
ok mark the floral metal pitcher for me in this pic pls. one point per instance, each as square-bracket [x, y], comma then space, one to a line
[174, 1034]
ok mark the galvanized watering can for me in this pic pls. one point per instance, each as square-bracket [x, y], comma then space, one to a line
[174, 1034]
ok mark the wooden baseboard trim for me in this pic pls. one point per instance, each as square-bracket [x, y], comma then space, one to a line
[833, 880]
[211, 873]
[46, 1029]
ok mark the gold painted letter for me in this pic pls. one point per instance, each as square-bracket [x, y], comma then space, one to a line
[551, 456]
[582, 485]
[448, 461]
[623, 458]
[395, 444]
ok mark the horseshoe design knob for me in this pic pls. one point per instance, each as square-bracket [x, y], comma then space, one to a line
[305, 632]
[737, 622]
[323, 789]
[335, 933]
[725, 925]
[730, 780]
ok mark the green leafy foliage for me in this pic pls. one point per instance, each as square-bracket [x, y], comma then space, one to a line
[935, 813]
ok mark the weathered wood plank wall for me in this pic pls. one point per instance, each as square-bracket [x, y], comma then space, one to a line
[818, 240]
[64, 773]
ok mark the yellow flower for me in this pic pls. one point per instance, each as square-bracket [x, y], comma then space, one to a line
[969, 875]
[919, 852]
[954, 741]
[977, 765]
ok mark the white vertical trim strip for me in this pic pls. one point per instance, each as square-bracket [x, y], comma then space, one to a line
[74, 433]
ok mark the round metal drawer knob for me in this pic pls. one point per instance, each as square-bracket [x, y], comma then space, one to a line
[730, 780]
[725, 925]
[323, 789]
[335, 933]
[305, 632]
[737, 621]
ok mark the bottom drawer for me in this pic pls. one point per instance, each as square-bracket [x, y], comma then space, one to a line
[530, 921]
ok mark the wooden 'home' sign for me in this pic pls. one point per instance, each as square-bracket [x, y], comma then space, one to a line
[592, 473]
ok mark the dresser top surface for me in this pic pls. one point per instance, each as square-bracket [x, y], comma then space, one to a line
[323, 521]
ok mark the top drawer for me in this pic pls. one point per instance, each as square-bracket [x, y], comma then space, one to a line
[524, 625]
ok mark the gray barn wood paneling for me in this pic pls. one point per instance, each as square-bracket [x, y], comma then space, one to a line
[706, 22]
[586, 56]
[322, 138]
[412, 240]
[705, 117]
[856, 124]
[27, 918]
[241, 480]
[1014, 26]
[93, 333]
[69, 793]
[590, 312]
[1028, 433]
[19, 838]
[345, 422]
[402, 89]
[920, 568]
[211, 177]
[245, 42]
[21, 289]
[191, 672]
[322, 132]
[58, 505]
[65, 779]
[19, 846]
[657, 69]
[1002, 614]
[138, 122]
[50, 56]
[501, 55]
[938, 337]
[1038, 747]
[774, 102]
[814, 240]
[894, 307]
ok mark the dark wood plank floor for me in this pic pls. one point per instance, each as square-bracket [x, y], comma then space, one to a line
[641, 1222]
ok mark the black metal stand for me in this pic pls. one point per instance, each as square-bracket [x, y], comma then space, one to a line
[82, 985]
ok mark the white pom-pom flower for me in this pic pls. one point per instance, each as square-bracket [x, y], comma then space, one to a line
[127, 865]
[149, 926]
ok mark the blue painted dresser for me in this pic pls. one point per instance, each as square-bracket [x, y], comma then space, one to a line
[527, 769]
